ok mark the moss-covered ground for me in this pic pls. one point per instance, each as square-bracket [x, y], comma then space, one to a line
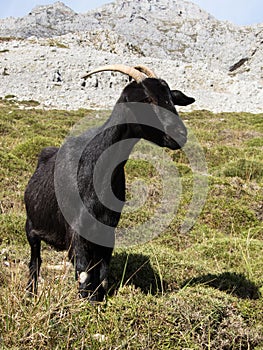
[196, 290]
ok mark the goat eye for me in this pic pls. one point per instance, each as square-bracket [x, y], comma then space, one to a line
[147, 100]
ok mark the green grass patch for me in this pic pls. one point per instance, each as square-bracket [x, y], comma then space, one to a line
[245, 169]
[196, 290]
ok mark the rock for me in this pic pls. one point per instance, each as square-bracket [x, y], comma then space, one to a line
[220, 64]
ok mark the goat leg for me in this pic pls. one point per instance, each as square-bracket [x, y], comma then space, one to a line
[35, 261]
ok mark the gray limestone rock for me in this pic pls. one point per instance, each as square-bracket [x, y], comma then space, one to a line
[219, 63]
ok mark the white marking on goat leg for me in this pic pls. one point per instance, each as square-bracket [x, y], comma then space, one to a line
[103, 275]
[105, 283]
[83, 277]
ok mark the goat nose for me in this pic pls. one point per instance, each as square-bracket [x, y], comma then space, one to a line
[183, 132]
[182, 138]
[179, 131]
[179, 134]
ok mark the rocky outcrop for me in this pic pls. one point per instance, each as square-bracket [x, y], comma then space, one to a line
[217, 62]
[42, 21]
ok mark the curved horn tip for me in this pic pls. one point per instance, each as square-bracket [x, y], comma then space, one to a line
[147, 71]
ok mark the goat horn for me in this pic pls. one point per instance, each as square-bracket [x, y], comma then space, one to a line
[132, 72]
[146, 70]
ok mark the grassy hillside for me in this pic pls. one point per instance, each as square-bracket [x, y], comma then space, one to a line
[199, 290]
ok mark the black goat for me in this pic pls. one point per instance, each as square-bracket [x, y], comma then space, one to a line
[84, 223]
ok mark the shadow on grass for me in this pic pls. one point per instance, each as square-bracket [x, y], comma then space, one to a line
[232, 283]
[134, 269]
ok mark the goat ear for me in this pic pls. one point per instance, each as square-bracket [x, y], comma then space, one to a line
[181, 99]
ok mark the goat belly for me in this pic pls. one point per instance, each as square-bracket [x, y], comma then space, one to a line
[43, 211]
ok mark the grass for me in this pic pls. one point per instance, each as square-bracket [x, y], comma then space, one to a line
[196, 290]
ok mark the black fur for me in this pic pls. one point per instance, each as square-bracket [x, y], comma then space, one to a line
[45, 220]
